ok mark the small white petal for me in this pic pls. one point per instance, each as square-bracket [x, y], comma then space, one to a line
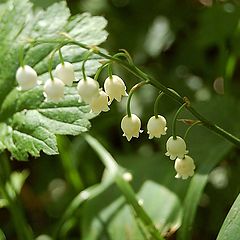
[26, 78]
[84, 195]
[177, 176]
[184, 167]
[140, 202]
[115, 88]
[157, 126]
[131, 126]
[173, 157]
[100, 103]
[54, 90]
[88, 89]
[65, 72]
[176, 147]
[127, 176]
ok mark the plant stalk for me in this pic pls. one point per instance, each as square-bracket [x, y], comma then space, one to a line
[141, 75]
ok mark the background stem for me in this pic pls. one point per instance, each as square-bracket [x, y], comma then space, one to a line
[124, 186]
[22, 228]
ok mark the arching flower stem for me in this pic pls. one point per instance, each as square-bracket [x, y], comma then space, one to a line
[141, 75]
[84, 62]
[21, 56]
[190, 127]
[133, 89]
[156, 104]
[174, 123]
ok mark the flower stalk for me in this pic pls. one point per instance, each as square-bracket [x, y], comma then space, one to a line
[124, 186]
[22, 228]
[141, 75]
[133, 89]
[174, 123]
[156, 104]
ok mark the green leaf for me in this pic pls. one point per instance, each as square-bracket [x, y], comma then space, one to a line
[28, 124]
[231, 226]
[109, 215]
[2, 236]
[33, 130]
[139, 212]
[118, 220]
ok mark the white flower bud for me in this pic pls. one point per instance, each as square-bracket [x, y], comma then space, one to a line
[131, 126]
[65, 72]
[115, 88]
[54, 90]
[100, 103]
[156, 126]
[127, 176]
[26, 77]
[88, 89]
[176, 148]
[184, 167]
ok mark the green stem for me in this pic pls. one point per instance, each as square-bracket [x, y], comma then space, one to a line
[50, 63]
[69, 166]
[174, 123]
[77, 202]
[61, 56]
[133, 89]
[22, 229]
[190, 127]
[124, 54]
[141, 75]
[230, 67]
[110, 71]
[156, 104]
[84, 62]
[124, 186]
[100, 69]
[21, 56]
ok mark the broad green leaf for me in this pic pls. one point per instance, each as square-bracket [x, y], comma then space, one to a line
[28, 124]
[230, 229]
[33, 130]
[109, 215]
[119, 221]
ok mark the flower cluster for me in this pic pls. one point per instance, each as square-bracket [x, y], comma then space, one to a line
[88, 88]
[26, 77]
[99, 100]
[131, 126]
[176, 149]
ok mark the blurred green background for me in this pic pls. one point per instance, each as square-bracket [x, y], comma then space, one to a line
[184, 44]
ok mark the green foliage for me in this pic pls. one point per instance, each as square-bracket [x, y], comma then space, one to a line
[230, 228]
[28, 123]
[193, 50]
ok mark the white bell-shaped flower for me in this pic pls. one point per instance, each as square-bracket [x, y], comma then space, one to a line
[156, 126]
[115, 88]
[88, 89]
[184, 167]
[65, 72]
[54, 90]
[131, 126]
[100, 103]
[26, 77]
[176, 148]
